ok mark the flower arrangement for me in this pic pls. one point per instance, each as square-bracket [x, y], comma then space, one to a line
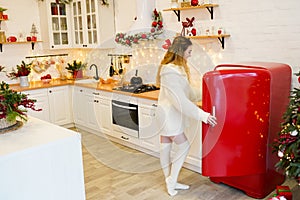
[75, 65]
[75, 68]
[13, 104]
[287, 145]
[22, 70]
[157, 29]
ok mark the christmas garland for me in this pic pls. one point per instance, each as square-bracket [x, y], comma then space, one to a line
[156, 30]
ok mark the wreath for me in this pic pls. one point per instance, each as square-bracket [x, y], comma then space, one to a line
[156, 30]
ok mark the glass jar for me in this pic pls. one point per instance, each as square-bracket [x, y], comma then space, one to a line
[2, 37]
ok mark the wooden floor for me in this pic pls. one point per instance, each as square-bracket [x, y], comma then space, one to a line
[114, 172]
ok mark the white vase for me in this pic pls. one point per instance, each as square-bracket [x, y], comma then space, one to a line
[24, 81]
[174, 3]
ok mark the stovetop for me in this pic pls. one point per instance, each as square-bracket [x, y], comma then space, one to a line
[137, 88]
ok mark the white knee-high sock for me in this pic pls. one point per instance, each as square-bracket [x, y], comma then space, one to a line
[179, 158]
[165, 160]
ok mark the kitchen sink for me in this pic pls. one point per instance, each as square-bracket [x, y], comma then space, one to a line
[86, 81]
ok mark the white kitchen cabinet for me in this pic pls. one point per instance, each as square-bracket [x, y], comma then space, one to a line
[42, 102]
[103, 115]
[60, 102]
[148, 128]
[59, 25]
[79, 104]
[87, 18]
[55, 103]
[194, 135]
[85, 107]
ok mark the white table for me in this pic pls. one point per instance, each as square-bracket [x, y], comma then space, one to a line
[41, 161]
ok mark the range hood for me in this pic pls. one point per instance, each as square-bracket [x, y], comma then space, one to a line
[144, 11]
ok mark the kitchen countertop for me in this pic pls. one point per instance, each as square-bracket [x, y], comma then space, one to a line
[152, 95]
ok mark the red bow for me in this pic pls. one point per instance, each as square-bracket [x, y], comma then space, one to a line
[167, 44]
[189, 22]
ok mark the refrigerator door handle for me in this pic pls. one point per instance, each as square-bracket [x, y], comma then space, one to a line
[214, 111]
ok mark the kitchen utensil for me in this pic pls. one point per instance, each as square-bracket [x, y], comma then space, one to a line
[136, 80]
[120, 66]
[111, 68]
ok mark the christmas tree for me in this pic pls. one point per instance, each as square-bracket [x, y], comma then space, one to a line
[33, 30]
[288, 144]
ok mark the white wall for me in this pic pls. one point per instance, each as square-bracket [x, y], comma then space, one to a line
[21, 14]
[260, 30]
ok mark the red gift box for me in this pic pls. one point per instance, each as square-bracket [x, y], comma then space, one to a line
[284, 191]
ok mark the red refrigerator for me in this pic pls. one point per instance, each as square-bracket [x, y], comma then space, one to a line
[248, 100]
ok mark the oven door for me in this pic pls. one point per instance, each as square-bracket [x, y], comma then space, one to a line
[125, 117]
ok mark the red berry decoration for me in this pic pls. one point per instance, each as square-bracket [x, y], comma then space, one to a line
[194, 31]
[48, 76]
[194, 2]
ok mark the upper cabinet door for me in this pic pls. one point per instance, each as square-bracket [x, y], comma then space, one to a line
[59, 30]
[85, 21]
[93, 23]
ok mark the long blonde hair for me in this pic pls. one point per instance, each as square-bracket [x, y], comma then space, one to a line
[175, 55]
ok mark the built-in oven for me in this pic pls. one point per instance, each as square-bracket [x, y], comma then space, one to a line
[125, 117]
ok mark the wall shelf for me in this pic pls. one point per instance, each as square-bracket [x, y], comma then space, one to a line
[23, 42]
[220, 37]
[209, 7]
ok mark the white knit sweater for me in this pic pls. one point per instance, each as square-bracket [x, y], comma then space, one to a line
[174, 102]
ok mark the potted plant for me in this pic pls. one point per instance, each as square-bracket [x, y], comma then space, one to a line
[22, 73]
[75, 68]
[1, 12]
[13, 106]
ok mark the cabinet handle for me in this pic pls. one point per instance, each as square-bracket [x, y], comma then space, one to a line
[154, 105]
[125, 138]
[50, 91]
[96, 101]
[96, 93]
[84, 45]
[80, 90]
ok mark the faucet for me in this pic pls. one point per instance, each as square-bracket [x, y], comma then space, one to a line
[97, 76]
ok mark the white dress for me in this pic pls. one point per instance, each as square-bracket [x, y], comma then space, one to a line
[174, 102]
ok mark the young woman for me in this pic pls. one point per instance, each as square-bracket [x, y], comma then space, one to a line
[174, 108]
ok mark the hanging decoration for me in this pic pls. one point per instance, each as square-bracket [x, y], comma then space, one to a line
[287, 145]
[156, 30]
[167, 44]
[188, 27]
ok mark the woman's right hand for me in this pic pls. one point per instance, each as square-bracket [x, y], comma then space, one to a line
[212, 120]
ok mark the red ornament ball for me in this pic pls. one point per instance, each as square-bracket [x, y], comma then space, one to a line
[194, 2]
